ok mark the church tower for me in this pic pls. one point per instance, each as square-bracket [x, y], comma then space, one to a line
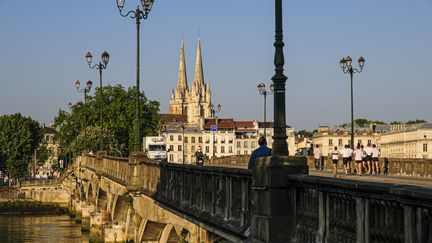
[193, 102]
[179, 95]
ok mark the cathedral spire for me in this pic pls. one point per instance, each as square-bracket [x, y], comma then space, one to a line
[182, 78]
[199, 76]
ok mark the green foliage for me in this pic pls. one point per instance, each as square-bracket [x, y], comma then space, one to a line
[304, 133]
[42, 153]
[118, 123]
[410, 122]
[363, 122]
[19, 137]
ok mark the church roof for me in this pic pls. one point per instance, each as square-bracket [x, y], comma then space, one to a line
[172, 118]
[222, 123]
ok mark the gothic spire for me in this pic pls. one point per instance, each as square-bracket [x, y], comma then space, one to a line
[182, 78]
[199, 75]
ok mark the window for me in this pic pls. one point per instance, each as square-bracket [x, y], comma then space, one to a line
[359, 141]
[238, 152]
[193, 140]
[340, 143]
[171, 158]
[207, 149]
[425, 147]
[245, 152]
[370, 142]
[179, 137]
[171, 137]
[186, 140]
[238, 144]
[200, 140]
[171, 148]
[330, 142]
[245, 144]
[179, 148]
[230, 150]
[193, 149]
[253, 144]
[223, 149]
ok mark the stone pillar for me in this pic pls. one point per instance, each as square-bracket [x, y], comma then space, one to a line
[134, 183]
[86, 210]
[100, 155]
[273, 198]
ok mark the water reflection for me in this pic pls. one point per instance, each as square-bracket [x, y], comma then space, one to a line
[45, 229]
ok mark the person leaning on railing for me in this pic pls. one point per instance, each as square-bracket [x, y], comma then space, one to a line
[262, 151]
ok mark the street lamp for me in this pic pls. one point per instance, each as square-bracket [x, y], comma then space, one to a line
[138, 14]
[213, 111]
[262, 91]
[346, 65]
[99, 66]
[84, 90]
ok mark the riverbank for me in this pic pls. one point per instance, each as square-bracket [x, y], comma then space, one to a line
[31, 207]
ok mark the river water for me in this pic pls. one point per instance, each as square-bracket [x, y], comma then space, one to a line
[40, 228]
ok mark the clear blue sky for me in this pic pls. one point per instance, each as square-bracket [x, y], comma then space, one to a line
[43, 43]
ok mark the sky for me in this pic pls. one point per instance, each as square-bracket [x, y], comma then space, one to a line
[43, 44]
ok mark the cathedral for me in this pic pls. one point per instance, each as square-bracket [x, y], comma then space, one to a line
[192, 102]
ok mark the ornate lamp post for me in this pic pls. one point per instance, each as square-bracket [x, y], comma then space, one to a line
[213, 111]
[84, 90]
[99, 66]
[138, 14]
[346, 65]
[262, 91]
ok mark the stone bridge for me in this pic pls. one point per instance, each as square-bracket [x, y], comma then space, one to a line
[140, 200]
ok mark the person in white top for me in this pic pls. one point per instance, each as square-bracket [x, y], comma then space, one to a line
[335, 158]
[358, 157]
[375, 161]
[368, 151]
[351, 151]
[317, 156]
[346, 158]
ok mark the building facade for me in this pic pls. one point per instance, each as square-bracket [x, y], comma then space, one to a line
[408, 141]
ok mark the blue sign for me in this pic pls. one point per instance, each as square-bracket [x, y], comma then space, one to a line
[213, 128]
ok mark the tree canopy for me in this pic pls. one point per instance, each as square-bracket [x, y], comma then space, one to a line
[410, 122]
[19, 137]
[362, 122]
[117, 134]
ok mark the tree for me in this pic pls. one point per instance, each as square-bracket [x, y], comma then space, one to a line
[362, 122]
[410, 122]
[304, 133]
[42, 153]
[19, 137]
[118, 122]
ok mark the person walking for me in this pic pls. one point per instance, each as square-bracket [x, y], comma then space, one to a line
[335, 155]
[368, 153]
[350, 152]
[346, 153]
[262, 151]
[358, 157]
[375, 160]
[317, 156]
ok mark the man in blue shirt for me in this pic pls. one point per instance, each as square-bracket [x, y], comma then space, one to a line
[262, 151]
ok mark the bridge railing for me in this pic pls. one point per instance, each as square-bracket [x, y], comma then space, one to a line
[218, 195]
[332, 210]
[115, 169]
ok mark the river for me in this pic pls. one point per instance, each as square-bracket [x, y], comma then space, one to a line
[40, 228]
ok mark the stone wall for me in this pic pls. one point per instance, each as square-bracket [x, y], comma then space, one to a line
[230, 160]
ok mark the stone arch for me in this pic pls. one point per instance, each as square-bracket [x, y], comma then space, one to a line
[82, 192]
[91, 195]
[150, 231]
[120, 210]
[102, 200]
[170, 235]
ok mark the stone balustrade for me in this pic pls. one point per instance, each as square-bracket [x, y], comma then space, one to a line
[332, 210]
[396, 166]
[216, 195]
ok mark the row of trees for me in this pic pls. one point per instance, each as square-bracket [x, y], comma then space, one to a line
[117, 134]
[20, 137]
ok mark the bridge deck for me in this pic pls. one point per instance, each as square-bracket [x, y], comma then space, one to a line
[392, 179]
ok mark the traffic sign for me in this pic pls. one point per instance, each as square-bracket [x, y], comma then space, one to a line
[213, 128]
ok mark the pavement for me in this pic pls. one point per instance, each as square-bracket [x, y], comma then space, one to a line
[391, 179]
